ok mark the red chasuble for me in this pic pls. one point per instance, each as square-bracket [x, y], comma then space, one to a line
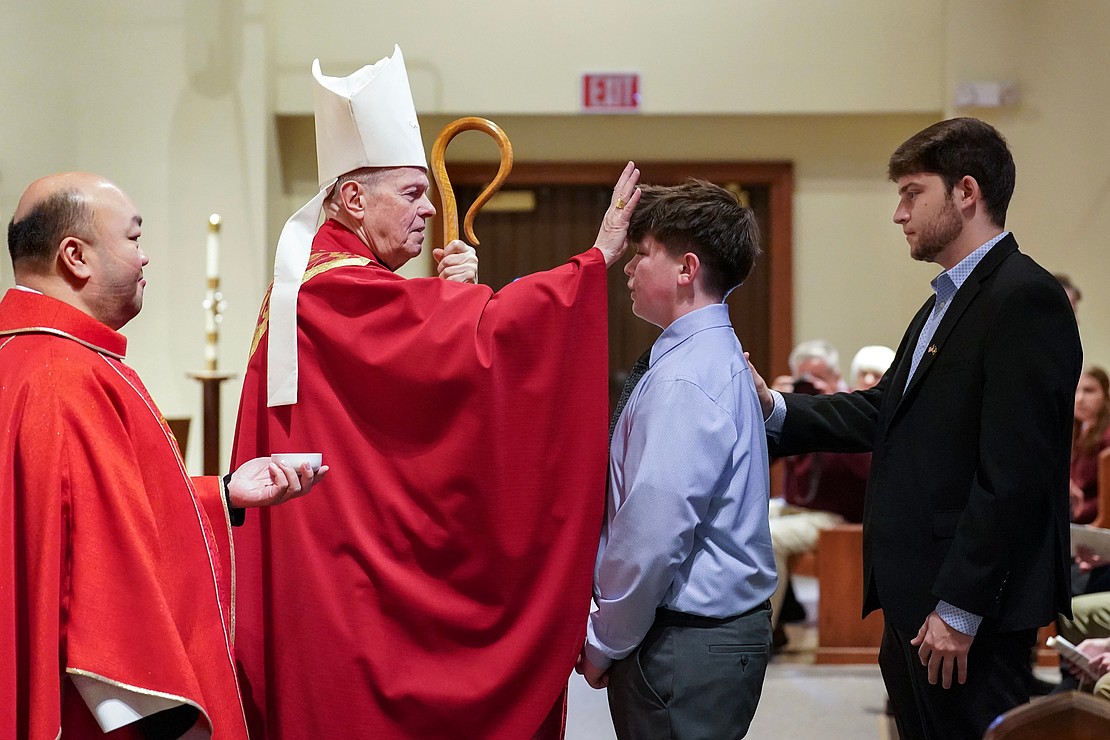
[437, 585]
[114, 565]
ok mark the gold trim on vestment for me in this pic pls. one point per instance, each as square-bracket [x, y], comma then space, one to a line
[341, 260]
[263, 323]
[224, 503]
[140, 690]
[202, 516]
[59, 333]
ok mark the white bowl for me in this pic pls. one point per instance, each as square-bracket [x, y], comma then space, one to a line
[297, 459]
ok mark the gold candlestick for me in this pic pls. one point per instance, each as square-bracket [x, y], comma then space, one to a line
[213, 303]
[211, 378]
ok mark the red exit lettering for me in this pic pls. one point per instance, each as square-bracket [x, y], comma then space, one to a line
[607, 93]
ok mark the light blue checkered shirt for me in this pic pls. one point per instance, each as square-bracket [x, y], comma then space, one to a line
[945, 286]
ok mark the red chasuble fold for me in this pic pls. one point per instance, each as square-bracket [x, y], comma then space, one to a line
[437, 585]
[111, 565]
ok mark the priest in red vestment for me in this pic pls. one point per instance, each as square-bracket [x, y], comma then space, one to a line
[115, 565]
[441, 589]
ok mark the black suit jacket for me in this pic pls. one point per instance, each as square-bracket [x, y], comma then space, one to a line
[968, 494]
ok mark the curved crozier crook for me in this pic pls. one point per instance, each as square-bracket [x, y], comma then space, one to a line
[439, 172]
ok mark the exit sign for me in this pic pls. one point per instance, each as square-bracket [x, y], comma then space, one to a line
[611, 93]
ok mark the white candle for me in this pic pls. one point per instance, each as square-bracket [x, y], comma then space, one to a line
[213, 246]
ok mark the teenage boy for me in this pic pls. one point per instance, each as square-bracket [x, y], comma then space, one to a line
[684, 570]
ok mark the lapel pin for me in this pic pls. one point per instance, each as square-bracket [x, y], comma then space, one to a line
[932, 349]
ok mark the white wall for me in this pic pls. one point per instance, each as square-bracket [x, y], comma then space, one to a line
[169, 101]
[712, 56]
[38, 104]
[1059, 54]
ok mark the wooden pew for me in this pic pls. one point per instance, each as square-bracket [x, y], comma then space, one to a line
[842, 637]
[1067, 716]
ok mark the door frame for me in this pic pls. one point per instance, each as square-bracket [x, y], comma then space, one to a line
[778, 176]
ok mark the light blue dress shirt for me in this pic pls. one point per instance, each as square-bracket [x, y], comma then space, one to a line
[945, 286]
[686, 517]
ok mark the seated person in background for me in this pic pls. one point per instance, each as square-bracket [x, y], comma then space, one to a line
[1074, 294]
[1090, 587]
[1090, 436]
[868, 366]
[1098, 650]
[1089, 631]
[822, 489]
[815, 368]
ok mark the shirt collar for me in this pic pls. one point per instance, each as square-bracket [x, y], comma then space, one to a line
[686, 326]
[959, 272]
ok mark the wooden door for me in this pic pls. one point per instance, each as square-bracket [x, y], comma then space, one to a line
[550, 212]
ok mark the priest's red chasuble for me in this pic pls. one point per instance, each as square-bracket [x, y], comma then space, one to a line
[115, 566]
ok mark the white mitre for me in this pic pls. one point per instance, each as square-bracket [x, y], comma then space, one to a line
[366, 119]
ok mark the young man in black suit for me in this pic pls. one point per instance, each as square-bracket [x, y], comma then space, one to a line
[966, 522]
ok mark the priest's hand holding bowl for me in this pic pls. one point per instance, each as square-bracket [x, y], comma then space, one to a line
[267, 481]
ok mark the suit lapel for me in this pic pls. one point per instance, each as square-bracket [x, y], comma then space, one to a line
[902, 369]
[960, 302]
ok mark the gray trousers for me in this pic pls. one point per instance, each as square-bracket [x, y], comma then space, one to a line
[692, 678]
